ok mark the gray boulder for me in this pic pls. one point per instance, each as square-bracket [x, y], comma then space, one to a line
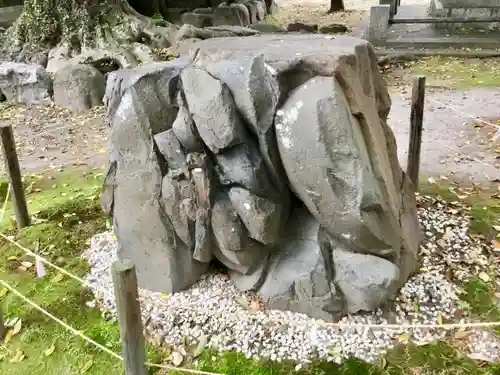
[191, 32]
[245, 261]
[177, 198]
[234, 14]
[296, 278]
[138, 102]
[333, 28]
[79, 87]
[243, 165]
[339, 176]
[170, 147]
[302, 27]
[226, 224]
[366, 281]
[267, 28]
[203, 11]
[253, 85]
[254, 118]
[256, 92]
[184, 128]
[213, 110]
[261, 216]
[161, 108]
[25, 83]
[256, 10]
[197, 19]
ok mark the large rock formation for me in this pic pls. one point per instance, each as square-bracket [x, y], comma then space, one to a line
[271, 154]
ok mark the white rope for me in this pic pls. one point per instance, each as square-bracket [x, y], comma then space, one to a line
[454, 109]
[43, 260]
[56, 319]
[89, 340]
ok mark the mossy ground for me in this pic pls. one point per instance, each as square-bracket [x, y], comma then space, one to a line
[448, 72]
[67, 213]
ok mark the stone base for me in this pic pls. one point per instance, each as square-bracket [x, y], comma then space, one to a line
[462, 9]
[272, 155]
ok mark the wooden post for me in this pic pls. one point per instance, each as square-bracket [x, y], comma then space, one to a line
[129, 317]
[416, 127]
[14, 176]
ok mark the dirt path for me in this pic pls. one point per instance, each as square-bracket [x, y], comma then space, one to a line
[49, 138]
[453, 145]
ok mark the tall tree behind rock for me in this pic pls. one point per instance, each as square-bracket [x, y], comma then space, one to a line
[84, 26]
[336, 6]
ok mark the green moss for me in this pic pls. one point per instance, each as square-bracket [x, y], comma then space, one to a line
[437, 358]
[484, 205]
[458, 73]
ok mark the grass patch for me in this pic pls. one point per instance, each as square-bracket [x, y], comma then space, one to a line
[438, 358]
[458, 73]
[67, 213]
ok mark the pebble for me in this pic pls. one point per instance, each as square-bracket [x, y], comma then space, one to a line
[210, 313]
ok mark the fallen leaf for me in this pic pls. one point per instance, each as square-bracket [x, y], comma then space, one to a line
[176, 358]
[3, 292]
[404, 338]
[255, 305]
[8, 337]
[18, 357]
[496, 245]
[334, 351]
[439, 318]
[496, 227]
[17, 327]
[484, 276]
[481, 357]
[242, 301]
[50, 350]
[460, 335]
[25, 266]
[382, 363]
[198, 349]
[430, 180]
[57, 278]
[86, 367]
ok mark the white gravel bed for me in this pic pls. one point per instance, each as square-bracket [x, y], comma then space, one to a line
[214, 314]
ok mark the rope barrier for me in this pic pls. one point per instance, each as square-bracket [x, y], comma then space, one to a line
[89, 340]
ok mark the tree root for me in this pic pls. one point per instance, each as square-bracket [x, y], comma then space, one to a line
[117, 36]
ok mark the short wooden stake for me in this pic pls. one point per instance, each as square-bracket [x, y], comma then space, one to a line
[416, 127]
[129, 317]
[14, 176]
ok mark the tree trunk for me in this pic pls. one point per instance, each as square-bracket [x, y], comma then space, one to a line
[336, 6]
[89, 27]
